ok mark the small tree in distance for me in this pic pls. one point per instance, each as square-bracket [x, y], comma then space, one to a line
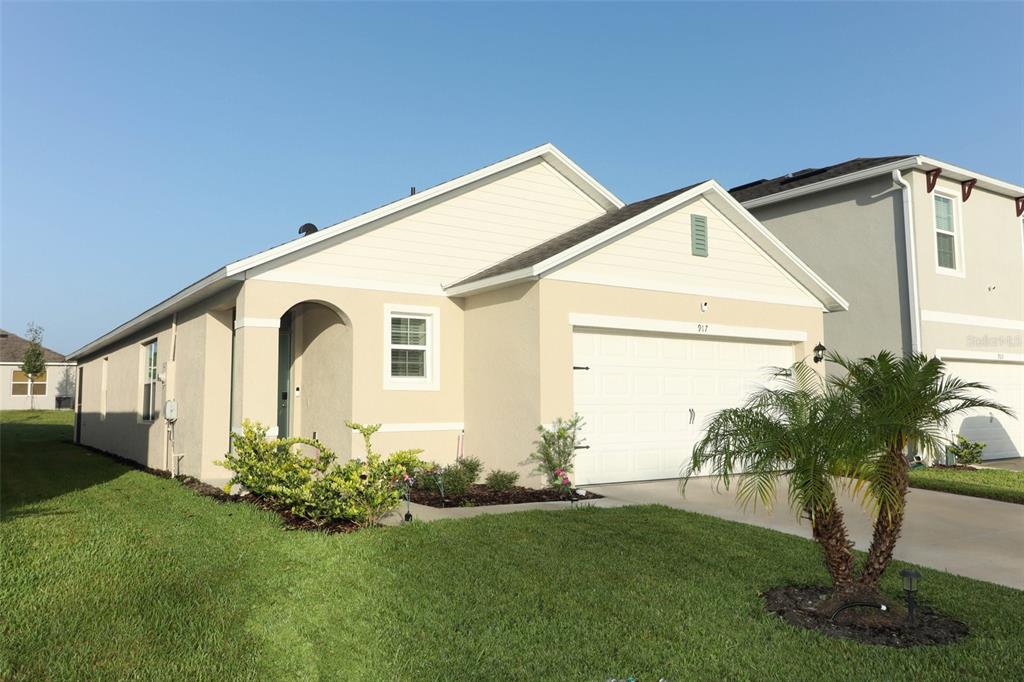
[32, 362]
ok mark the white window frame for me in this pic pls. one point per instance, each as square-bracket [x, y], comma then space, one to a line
[46, 386]
[432, 356]
[144, 379]
[958, 236]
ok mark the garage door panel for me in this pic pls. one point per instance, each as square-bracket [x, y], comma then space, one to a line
[1002, 434]
[642, 392]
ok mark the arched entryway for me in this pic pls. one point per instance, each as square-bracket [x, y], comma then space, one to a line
[314, 375]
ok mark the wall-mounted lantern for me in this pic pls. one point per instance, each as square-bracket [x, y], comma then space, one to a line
[819, 352]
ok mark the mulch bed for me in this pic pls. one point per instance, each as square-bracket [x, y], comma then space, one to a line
[810, 606]
[482, 496]
[954, 467]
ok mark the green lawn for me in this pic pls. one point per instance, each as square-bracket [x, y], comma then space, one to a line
[996, 484]
[111, 573]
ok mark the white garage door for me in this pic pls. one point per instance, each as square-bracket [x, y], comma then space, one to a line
[645, 397]
[1004, 435]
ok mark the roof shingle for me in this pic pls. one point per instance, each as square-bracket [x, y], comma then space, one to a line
[12, 349]
[808, 176]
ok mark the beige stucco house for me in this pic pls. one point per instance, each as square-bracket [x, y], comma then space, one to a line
[952, 285]
[54, 389]
[462, 317]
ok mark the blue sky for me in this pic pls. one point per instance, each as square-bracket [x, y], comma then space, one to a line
[145, 145]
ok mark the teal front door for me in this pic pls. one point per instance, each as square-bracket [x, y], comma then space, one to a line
[284, 373]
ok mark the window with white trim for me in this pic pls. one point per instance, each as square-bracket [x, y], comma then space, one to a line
[411, 354]
[20, 383]
[947, 234]
[149, 379]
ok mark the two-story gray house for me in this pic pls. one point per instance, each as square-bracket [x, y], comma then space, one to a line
[952, 285]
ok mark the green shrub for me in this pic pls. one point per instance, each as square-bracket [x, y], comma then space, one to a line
[499, 481]
[556, 450]
[317, 488]
[966, 451]
[453, 480]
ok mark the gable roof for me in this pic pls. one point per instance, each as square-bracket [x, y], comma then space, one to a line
[12, 349]
[560, 243]
[809, 176]
[225, 276]
[809, 180]
[534, 263]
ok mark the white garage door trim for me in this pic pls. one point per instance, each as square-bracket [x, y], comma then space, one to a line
[644, 324]
[660, 395]
[1013, 358]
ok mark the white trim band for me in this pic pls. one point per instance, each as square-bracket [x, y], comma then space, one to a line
[693, 328]
[984, 356]
[266, 322]
[972, 320]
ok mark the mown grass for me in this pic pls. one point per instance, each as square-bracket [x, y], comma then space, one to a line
[110, 573]
[993, 484]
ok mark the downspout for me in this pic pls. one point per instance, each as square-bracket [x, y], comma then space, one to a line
[908, 234]
[169, 395]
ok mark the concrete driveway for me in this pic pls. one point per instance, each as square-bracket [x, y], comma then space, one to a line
[969, 536]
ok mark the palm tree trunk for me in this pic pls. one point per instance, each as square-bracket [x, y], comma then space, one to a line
[888, 525]
[829, 531]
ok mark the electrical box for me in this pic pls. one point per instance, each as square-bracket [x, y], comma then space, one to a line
[171, 410]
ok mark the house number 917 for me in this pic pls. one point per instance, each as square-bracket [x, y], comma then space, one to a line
[702, 328]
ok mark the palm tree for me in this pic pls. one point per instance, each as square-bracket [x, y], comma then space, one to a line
[902, 403]
[802, 428]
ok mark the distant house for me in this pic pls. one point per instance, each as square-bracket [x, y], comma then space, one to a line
[54, 390]
[952, 285]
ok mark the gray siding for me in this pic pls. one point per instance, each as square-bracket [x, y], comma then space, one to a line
[852, 236]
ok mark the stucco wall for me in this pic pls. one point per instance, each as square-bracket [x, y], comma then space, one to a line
[60, 382]
[503, 375]
[261, 302]
[322, 382]
[852, 236]
[992, 282]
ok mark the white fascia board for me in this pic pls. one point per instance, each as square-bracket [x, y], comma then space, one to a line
[857, 176]
[960, 174]
[48, 364]
[923, 163]
[496, 282]
[778, 251]
[179, 300]
[548, 152]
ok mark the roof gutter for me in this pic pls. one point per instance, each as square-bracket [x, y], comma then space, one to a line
[911, 162]
[167, 306]
[908, 235]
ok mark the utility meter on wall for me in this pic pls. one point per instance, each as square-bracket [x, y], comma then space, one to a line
[171, 410]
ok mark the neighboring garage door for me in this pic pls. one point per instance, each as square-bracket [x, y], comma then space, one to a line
[646, 397]
[1004, 435]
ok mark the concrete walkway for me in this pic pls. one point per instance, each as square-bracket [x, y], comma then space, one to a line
[1015, 464]
[969, 536]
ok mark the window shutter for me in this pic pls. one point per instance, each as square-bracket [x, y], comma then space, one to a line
[699, 235]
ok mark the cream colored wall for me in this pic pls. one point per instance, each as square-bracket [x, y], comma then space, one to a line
[323, 375]
[446, 239]
[560, 299]
[658, 257]
[256, 360]
[503, 375]
[121, 430]
[993, 264]
[197, 376]
[60, 381]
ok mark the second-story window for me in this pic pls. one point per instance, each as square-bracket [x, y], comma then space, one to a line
[947, 234]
